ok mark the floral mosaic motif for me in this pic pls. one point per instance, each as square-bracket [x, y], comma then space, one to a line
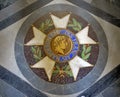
[62, 71]
[36, 51]
[45, 25]
[75, 25]
[86, 52]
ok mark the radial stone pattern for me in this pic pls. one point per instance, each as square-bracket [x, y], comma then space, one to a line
[61, 47]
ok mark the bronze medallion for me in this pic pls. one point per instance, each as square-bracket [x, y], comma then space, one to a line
[61, 45]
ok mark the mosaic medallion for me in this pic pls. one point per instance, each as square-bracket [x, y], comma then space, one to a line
[61, 49]
[59, 45]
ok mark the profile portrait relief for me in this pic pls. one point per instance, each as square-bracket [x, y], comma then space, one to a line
[61, 45]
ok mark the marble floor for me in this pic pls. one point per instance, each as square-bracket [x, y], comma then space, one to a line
[59, 48]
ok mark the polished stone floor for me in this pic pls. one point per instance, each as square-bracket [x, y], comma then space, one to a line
[59, 48]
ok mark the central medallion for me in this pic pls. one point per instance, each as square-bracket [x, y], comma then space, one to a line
[61, 45]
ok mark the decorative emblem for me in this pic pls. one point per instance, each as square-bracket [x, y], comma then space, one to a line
[61, 47]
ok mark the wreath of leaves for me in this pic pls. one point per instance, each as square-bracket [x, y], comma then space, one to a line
[66, 71]
[75, 25]
[45, 25]
[36, 51]
[86, 52]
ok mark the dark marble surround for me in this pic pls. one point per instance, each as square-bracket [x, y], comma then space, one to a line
[24, 12]
[17, 83]
[109, 85]
[96, 11]
[6, 3]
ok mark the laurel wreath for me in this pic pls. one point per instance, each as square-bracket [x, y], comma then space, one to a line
[66, 70]
[45, 25]
[36, 53]
[75, 25]
[86, 52]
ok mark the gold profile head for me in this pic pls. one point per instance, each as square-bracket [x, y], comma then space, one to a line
[61, 45]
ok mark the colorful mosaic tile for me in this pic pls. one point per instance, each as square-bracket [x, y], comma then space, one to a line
[61, 47]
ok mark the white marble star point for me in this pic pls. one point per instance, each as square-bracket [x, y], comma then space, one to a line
[47, 64]
[84, 38]
[60, 22]
[76, 63]
[38, 38]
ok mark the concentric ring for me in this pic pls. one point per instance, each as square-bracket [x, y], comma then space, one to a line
[71, 88]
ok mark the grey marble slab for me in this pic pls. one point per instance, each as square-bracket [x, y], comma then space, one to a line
[107, 7]
[7, 90]
[113, 90]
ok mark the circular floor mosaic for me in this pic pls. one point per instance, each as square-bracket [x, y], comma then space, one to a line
[61, 51]
[61, 47]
